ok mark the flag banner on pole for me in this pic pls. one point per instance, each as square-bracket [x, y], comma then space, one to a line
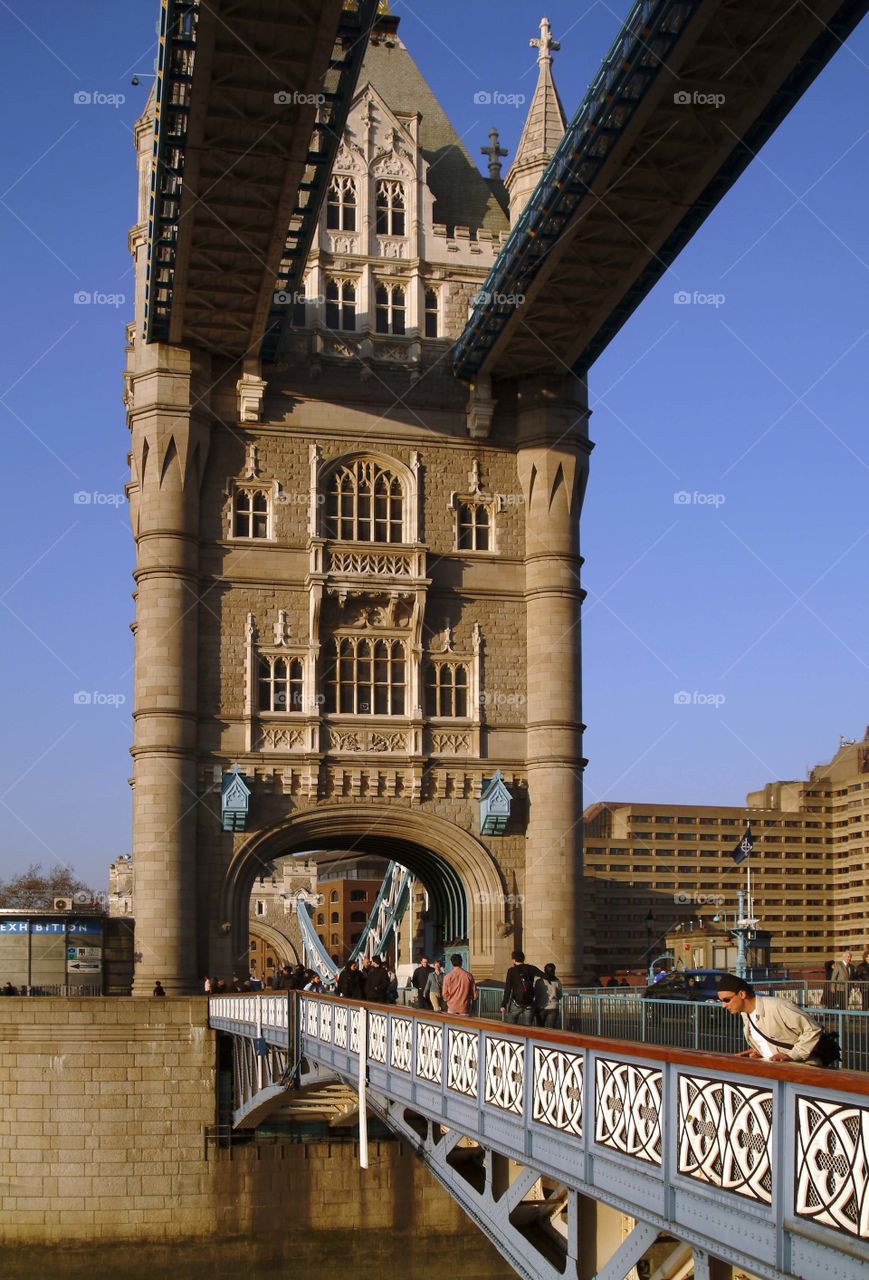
[745, 848]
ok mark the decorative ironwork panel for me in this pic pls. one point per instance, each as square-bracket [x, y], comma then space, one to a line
[725, 1135]
[312, 1020]
[340, 1027]
[377, 1037]
[400, 1048]
[505, 1074]
[557, 1090]
[429, 1051]
[832, 1165]
[463, 1061]
[627, 1113]
[355, 1019]
[326, 1023]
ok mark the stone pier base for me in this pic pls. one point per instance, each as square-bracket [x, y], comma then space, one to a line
[101, 1149]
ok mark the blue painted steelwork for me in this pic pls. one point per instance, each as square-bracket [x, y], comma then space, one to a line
[175, 60]
[175, 67]
[634, 59]
[761, 1165]
[353, 34]
[652, 28]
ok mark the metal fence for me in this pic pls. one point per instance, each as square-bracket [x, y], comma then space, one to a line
[692, 1024]
[807, 993]
[682, 1024]
[59, 989]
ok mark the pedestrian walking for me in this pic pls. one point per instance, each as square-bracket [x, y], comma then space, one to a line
[392, 989]
[459, 990]
[518, 1003]
[548, 993]
[315, 985]
[840, 977]
[861, 975]
[433, 987]
[775, 1029]
[419, 981]
[376, 982]
[350, 981]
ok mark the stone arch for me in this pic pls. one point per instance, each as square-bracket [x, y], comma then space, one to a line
[449, 861]
[407, 476]
[285, 948]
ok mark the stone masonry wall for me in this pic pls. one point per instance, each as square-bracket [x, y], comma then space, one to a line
[101, 1140]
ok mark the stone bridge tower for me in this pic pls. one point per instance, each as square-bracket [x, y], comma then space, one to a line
[357, 579]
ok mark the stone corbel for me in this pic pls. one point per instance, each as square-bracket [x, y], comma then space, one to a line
[250, 389]
[481, 407]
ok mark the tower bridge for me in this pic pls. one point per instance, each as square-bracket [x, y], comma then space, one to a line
[357, 472]
[356, 510]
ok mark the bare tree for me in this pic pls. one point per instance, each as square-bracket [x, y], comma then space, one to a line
[35, 889]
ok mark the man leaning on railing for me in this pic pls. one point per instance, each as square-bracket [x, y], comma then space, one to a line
[775, 1029]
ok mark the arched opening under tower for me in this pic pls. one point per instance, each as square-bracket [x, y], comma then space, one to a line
[465, 896]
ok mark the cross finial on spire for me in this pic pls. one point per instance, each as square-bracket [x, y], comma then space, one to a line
[494, 152]
[546, 45]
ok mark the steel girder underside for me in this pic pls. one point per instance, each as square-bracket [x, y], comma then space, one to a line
[243, 87]
[688, 94]
[533, 1221]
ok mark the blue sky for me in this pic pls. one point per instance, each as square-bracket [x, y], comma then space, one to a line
[747, 595]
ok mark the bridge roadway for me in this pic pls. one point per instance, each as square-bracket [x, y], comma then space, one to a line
[761, 1166]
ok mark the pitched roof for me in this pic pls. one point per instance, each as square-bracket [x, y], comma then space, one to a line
[463, 197]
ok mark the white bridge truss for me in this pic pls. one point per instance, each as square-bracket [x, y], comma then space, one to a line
[385, 916]
[763, 1166]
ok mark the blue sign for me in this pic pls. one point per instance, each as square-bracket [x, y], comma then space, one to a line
[51, 926]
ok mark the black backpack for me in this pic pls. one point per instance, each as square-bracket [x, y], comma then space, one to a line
[523, 988]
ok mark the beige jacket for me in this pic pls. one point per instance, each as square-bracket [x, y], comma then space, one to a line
[780, 1019]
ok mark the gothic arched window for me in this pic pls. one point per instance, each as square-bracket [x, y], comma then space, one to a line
[389, 308]
[474, 526]
[366, 676]
[333, 896]
[447, 690]
[340, 304]
[431, 313]
[341, 204]
[390, 208]
[364, 503]
[281, 684]
[251, 514]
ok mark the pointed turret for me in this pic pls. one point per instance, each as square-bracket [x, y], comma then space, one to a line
[543, 130]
